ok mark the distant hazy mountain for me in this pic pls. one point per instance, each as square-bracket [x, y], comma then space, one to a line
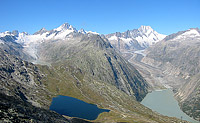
[136, 39]
[179, 55]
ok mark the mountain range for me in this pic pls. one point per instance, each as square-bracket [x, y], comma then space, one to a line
[136, 39]
[129, 41]
[90, 67]
[31, 42]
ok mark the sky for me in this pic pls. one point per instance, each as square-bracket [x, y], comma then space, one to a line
[102, 16]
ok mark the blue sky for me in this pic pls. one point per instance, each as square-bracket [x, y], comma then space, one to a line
[102, 16]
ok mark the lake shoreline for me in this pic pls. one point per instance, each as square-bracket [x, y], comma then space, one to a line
[164, 102]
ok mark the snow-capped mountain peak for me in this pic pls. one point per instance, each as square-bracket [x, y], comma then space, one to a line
[31, 42]
[190, 33]
[147, 36]
[65, 27]
[135, 39]
[82, 31]
[41, 31]
[91, 32]
[145, 29]
[13, 33]
[5, 33]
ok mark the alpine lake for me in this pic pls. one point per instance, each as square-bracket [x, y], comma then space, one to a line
[73, 107]
[160, 101]
[163, 102]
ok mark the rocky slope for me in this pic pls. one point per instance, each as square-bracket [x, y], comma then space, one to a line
[189, 97]
[24, 98]
[95, 56]
[136, 39]
[22, 92]
[9, 44]
[178, 55]
[14, 110]
[21, 79]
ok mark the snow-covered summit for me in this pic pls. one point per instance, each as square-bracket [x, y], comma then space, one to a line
[31, 42]
[65, 27]
[91, 32]
[147, 36]
[87, 32]
[140, 38]
[41, 31]
[3, 34]
[190, 33]
[82, 31]
[145, 29]
[13, 33]
[58, 33]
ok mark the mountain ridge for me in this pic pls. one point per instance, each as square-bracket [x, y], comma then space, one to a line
[136, 39]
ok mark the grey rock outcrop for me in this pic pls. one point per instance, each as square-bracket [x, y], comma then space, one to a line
[21, 79]
[15, 110]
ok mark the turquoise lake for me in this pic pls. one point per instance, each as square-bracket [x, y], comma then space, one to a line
[164, 103]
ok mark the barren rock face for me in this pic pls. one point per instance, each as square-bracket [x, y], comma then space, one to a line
[21, 78]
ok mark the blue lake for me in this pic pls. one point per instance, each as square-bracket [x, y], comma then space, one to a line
[73, 107]
[163, 102]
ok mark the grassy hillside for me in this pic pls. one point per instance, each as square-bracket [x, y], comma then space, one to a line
[72, 82]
